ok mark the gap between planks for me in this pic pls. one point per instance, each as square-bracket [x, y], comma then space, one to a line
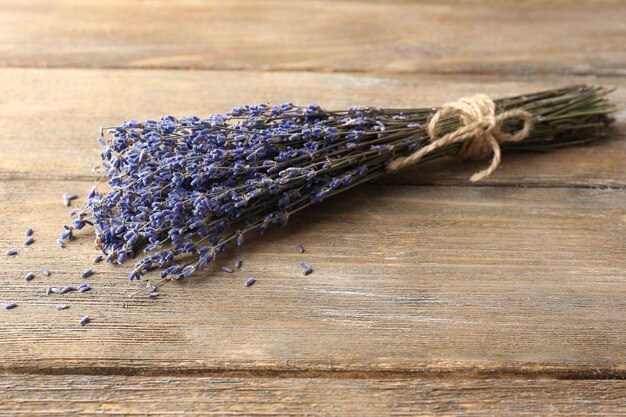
[428, 372]
[521, 73]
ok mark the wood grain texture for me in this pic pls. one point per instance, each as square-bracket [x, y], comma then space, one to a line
[530, 37]
[174, 396]
[420, 280]
[50, 126]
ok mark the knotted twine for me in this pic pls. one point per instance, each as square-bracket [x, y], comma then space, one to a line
[480, 134]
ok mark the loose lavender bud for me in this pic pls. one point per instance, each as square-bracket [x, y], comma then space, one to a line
[87, 272]
[56, 290]
[249, 282]
[11, 252]
[84, 287]
[29, 232]
[69, 197]
[29, 241]
[29, 276]
[300, 248]
[97, 259]
[67, 288]
[60, 243]
[227, 269]
[238, 263]
[153, 295]
[307, 268]
[10, 306]
[48, 290]
[84, 320]
[44, 271]
[62, 306]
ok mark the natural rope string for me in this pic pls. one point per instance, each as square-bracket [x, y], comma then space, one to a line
[479, 135]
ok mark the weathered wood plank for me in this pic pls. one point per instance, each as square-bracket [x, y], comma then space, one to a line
[563, 37]
[89, 395]
[50, 121]
[482, 280]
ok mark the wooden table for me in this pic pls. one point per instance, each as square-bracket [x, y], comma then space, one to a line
[429, 296]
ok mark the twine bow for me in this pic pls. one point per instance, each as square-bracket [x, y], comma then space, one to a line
[480, 134]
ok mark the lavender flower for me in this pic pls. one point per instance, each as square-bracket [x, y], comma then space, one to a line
[87, 272]
[29, 276]
[68, 198]
[227, 269]
[182, 190]
[238, 263]
[67, 288]
[249, 282]
[11, 252]
[307, 268]
[84, 288]
[29, 241]
[10, 306]
[29, 232]
[153, 295]
[300, 248]
[44, 271]
[62, 306]
[97, 259]
[84, 320]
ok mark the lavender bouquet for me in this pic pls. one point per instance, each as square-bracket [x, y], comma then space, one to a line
[183, 190]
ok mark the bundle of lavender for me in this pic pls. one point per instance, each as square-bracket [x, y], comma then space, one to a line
[182, 190]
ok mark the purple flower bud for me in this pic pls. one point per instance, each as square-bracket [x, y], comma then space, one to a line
[307, 268]
[29, 232]
[67, 288]
[78, 224]
[11, 252]
[249, 282]
[62, 306]
[10, 306]
[84, 320]
[44, 271]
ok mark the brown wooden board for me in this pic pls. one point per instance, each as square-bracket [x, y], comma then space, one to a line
[49, 123]
[506, 37]
[406, 279]
[174, 396]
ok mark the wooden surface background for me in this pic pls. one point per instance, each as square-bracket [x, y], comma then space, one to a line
[429, 296]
